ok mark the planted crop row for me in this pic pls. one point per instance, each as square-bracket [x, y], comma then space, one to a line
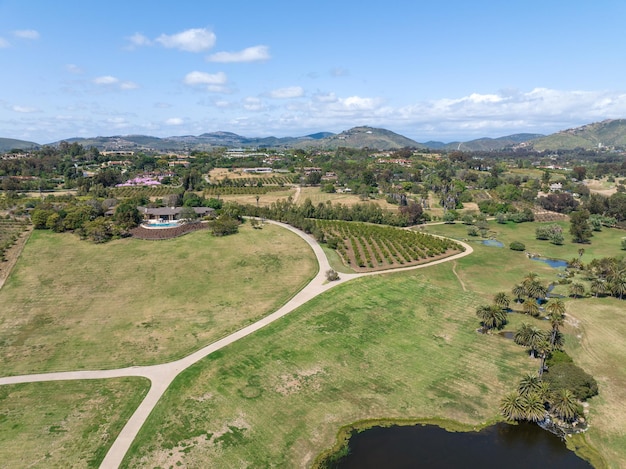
[153, 191]
[253, 181]
[241, 190]
[373, 246]
[10, 229]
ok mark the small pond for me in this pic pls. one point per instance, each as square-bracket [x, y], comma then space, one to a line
[493, 243]
[501, 445]
[554, 263]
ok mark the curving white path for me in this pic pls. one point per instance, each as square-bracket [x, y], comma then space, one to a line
[161, 376]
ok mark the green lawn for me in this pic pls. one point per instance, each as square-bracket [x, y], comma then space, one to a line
[596, 331]
[64, 423]
[392, 346]
[70, 304]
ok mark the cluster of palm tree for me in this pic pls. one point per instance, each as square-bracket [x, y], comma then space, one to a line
[608, 276]
[539, 341]
[534, 400]
[529, 293]
[494, 316]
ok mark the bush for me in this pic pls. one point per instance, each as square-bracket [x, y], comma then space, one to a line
[224, 226]
[565, 375]
[332, 275]
[517, 246]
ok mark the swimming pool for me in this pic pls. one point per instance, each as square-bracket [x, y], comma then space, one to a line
[161, 224]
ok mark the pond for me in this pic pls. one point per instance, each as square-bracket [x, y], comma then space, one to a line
[493, 243]
[428, 446]
[554, 263]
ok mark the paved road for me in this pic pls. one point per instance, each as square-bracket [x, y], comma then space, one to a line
[161, 376]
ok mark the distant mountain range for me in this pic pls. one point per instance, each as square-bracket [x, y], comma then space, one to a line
[608, 133]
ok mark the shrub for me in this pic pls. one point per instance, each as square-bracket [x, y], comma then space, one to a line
[472, 231]
[565, 375]
[332, 275]
[517, 246]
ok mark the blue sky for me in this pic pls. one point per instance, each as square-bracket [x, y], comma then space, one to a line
[428, 70]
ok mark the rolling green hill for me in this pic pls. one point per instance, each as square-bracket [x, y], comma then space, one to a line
[8, 144]
[608, 133]
[361, 137]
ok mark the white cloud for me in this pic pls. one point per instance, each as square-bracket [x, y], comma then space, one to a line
[72, 68]
[250, 54]
[287, 93]
[253, 104]
[4, 43]
[26, 34]
[191, 40]
[203, 78]
[138, 40]
[325, 98]
[174, 121]
[24, 109]
[106, 80]
[215, 82]
[114, 82]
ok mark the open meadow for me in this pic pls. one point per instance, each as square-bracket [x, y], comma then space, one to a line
[71, 305]
[395, 346]
[64, 423]
[595, 328]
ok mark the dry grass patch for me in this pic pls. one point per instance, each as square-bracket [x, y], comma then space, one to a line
[70, 304]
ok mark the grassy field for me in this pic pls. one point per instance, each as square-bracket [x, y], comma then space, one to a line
[392, 346]
[596, 329]
[317, 197]
[265, 200]
[597, 341]
[70, 304]
[64, 423]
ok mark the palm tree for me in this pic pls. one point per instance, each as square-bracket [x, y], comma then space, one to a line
[518, 292]
[534, 408]
[531, 307]
[556, 309]
[576, 289]
[529, 384]
[564, 404]
[531, 337]
[512, 406]
[556, 315]
[502, 300]
[491, 317]
[598, 286]
[618, 286]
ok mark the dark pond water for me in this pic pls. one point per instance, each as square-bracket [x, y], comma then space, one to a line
[554, 263]
[493, 243]
[499, 446]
